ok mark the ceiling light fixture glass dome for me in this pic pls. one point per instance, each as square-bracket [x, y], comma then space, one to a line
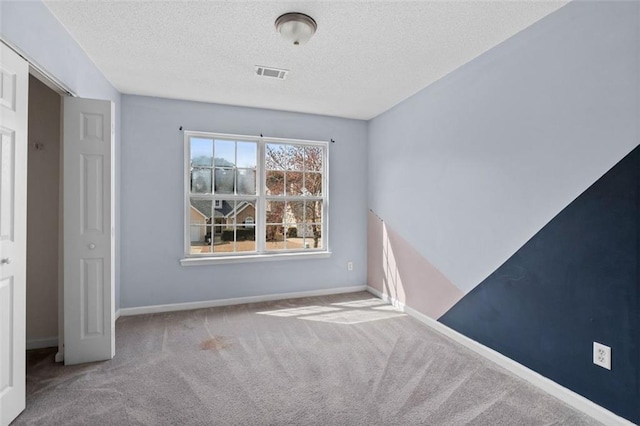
[295, 27]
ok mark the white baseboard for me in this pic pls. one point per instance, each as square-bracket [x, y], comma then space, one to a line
[235, 301]
[47, 342]
[575, 400]
[59, 356]
[117, 314]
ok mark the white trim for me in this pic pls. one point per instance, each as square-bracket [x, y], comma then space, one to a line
[59, 356]
[186, 144]
[117, 315]
[325, 196]
[568, 396]
[259, 198]
[39, 72]
[261, 202]
[268, 257]
[125, 312]
[47, 342]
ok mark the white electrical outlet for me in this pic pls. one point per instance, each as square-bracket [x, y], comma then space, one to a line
[349, 266]
[602, 355]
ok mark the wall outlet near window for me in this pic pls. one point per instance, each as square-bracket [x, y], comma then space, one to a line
[602, 355]
[349, 266]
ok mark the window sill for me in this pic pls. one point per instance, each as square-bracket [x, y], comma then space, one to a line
[197, 261]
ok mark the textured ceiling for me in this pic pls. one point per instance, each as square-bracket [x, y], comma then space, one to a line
[366, 56]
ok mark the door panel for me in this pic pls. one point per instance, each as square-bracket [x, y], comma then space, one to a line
[7, 182]
[92, 297]
[7, 290]
[89, 317]
[14, 80]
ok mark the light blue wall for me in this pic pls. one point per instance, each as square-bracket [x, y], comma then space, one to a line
[34, 30]
[153, 212]
[489, 154]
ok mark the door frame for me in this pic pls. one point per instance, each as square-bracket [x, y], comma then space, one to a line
[61, 90]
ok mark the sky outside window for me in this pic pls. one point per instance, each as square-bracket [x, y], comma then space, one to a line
[202, 152]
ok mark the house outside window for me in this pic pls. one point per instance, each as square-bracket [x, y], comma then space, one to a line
[248, 196]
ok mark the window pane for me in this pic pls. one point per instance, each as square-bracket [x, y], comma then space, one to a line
[293, 240]
[225, 152]
[294, 183]
[224, 181]
[275, 183]
[313, 211]
[200, 238]
[296, 157]
[224, 240]
[276, 157]
[201, 152]
[246, 179]
[247, 155]
[219, 210]
[295, 212]
[312, 234]
[275, 212]
[226, 214]
[197, 232]
[245, 238]
[246, 215]
[245, 245]
[216, 236]
[200, 180]
[235, 239]
[313, 184]
[200, 212]
[313, 158]
[275, 237]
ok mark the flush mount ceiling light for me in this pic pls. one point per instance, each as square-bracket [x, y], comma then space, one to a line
[296, 28]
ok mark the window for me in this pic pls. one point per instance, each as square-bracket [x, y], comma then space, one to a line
[248, 197]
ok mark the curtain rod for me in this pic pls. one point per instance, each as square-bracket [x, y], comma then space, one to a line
[332, 141]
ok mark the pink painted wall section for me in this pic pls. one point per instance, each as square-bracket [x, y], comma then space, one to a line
[396, 269]
[375, 274]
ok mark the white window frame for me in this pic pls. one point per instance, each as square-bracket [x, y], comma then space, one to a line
[261, 253]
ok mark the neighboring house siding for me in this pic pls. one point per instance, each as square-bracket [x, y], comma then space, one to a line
[242, 215]
[248, 211]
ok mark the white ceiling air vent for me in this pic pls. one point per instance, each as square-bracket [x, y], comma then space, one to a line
[271, 72]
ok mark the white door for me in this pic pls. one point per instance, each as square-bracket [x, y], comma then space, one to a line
[88, 186]
[14, 80]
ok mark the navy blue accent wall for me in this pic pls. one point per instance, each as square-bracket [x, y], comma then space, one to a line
[575, 282]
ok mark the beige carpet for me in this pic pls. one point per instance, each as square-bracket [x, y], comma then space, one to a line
[336, 360]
